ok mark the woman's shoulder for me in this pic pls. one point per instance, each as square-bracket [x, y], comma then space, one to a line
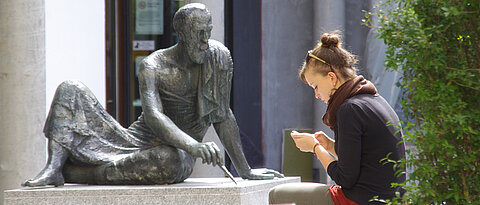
[368, 107]
[363, 103]
[359, 101]
[362, 98]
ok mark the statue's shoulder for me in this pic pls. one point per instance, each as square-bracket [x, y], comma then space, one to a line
[155, 61]
[218, 47]
[220, 54]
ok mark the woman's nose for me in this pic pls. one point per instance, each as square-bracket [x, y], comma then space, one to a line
[317, 95]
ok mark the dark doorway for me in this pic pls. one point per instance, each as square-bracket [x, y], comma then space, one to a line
[243, 38]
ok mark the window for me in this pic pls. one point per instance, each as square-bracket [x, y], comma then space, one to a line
[134, 30]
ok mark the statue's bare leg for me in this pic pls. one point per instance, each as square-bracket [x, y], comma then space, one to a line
[52, 172]
[159, 165]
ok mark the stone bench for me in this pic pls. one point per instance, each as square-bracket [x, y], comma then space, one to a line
[192, 191]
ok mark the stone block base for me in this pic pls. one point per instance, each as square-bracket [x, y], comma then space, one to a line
[192, 191]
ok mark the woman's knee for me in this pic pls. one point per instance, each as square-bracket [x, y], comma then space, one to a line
[300, 193]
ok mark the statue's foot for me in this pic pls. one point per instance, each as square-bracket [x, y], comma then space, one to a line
[46, 178]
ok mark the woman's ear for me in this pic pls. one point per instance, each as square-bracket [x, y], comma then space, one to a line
[333, 77]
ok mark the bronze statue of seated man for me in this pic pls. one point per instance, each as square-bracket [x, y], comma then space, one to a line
[184, 89]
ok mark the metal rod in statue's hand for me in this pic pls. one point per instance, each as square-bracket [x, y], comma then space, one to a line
[228, 173]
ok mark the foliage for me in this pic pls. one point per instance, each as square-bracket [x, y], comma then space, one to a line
[436, 46]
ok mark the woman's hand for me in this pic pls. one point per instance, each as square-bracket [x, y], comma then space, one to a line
[304, 141]
[326, 142]
[323, 139]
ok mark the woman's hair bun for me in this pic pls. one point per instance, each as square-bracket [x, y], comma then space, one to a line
[330, 40]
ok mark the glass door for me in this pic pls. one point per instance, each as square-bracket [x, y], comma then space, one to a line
[135, 29]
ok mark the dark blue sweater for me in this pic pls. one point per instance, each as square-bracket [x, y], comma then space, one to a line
[366, 130]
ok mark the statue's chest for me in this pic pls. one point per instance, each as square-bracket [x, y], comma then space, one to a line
[179, 81]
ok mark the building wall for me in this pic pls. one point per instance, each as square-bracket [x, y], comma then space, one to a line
[355, 33]
[286, 101]
[75, 45]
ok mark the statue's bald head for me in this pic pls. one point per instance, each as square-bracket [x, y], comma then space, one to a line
[193, 23]
[189, 16]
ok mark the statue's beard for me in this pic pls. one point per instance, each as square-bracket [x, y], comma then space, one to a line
[197, 52]
[198, 56]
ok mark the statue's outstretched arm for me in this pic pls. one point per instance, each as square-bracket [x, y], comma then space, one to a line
[163, 126]
[229, 134]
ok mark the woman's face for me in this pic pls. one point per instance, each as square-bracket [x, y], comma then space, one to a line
[320, 84]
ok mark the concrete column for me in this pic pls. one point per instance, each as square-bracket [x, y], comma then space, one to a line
[286, 101]
[329, 15]
[216, 8]
[22, 91]
[355, 35]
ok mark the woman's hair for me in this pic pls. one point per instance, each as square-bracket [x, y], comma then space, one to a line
[330, 50]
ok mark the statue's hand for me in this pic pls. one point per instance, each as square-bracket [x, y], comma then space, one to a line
[208, 151]
[262, 173]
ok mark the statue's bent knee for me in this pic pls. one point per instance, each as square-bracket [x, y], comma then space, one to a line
[71, 86]
[171, 162]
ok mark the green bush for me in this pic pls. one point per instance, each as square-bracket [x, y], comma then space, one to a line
[435, 44]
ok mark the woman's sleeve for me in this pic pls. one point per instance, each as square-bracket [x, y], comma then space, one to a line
[346, 170]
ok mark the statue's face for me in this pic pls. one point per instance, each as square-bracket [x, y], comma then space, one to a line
[196, 38]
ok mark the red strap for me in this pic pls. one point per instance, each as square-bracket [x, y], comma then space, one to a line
[338, 197]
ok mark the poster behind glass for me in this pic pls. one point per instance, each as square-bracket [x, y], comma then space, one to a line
[149, 17]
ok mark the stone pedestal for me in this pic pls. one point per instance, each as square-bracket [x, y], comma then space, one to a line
[192, 191]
